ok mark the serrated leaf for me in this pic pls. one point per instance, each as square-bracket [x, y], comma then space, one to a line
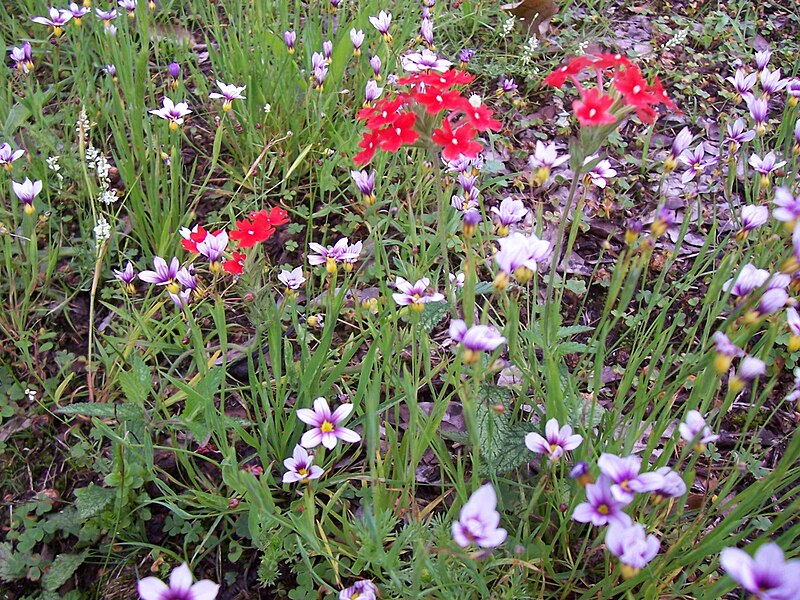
[502, 443]
[91, 500]
[433, 314]
[573, 330]
[484, 287]
[102, 410]
[137, 383]
[570, 347]
[63, 567]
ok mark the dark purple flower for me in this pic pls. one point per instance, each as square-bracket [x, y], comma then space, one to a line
[767, 575]
[466, 55]
[601, 507]
[289, 38]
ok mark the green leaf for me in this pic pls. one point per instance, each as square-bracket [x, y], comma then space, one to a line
[91, 500]
[433, 314]
[63, 567]
[102, 410]
[502, 443]
[137, 383]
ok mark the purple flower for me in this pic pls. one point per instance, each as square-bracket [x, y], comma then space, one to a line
[78, 12]
[127, 275]
[466, 55]
[110, 70]
[426, 32]
[737, 135]
[633, 548]
[360, 590]
[329, 256]
[478, 521]
[22, 58]
[556, 441]
[457, 280]
[752, 216]
[327, 50]
[694, 429]
[767, 575]
[748, 279]
[601, 507]
[743, 83]
[507, 85]
[365, 182]
[375, 63]
[213, 245]
[793, 322]
[601, 172]
[750, 368]
[325, 425]
[372, 92]
[292, 279]
[544, 159]
[163, 274]
[357, 38]
[56, 19]
[180, 587]
[351, 255]
[759, 110]
[626, 479]
[726, 351]
[788, 205]
[185, 277]
[679, 146]
[478, 338]
[228, 94]
[793, 91]
[299, 468]
[174, 70]
[289, 38]
[695, 162]
[7, 156]
[771, 300]
[426, 60]
[181, 299]
[174, 113]
[416, 296]
[27, 192]
[382, 23]
[519, 254]
[673, 486]
[762, 59]
[510, 212]
[771, 81]
[106, 16]
[765, 165]
[319, 73]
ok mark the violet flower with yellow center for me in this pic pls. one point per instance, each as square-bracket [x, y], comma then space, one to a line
[299, 468]
[474, 340]
[556, 443]
[415, 296]
[229, 94]
[326, 428]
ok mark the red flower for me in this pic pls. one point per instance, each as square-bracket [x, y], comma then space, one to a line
[659, 92]
[634, 88]
[192, 237]
[369, 143]
[480, 117]
[444, 80]
[605, 61]
[592, 109]
[248, 233]
[276, 217]
[575, 65]
[458, 142]
[234, 265]
[398, 133]
[435, 100]
[385, 113]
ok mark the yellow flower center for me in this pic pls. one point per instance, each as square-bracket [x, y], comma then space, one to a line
[603, 509]
[327, 427]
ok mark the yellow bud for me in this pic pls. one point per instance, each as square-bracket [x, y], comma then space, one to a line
[151, 5]
[796, 149]
[542, 175]
[348, 267]
[173, 287]
[737, 384]
[387, 37]
[468, 229]
[741, 235]
[794, 343]
[313, 320]
[87, 3]
[628, 572]
[77, 21]
[130, 288]
[291, 50]
[500, 281]
[173, 126]
[631, 237]
[790, 266]
[29, 209]
[227, 105]
[330, 265]
[57, 31]
[417, 306]
[215, 267]
[792, 101]
[670, 163]
[523, 274]
[369, 199]
[722, 362]
[764, 181]
[470, 357]
[700, 448]
[357, 52]
[502, 230]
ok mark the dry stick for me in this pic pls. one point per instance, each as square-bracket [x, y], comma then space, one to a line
[92, 296]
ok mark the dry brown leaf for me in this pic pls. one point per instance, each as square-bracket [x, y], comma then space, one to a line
[535, 13]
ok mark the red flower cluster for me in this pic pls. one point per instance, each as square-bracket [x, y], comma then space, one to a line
[628, 88]
[248, 233]
[398, 119]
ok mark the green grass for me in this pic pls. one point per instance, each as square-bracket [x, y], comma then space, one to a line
[135, 436]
